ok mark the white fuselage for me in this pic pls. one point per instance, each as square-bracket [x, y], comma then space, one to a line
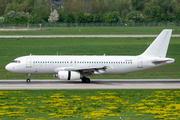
[53, 64]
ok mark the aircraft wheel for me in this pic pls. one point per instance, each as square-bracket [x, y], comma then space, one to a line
[83, 79]
[87, 80]
[28, 81]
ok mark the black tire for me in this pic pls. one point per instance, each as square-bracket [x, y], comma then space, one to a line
[87, 80]
[28, 80]
[83, 79]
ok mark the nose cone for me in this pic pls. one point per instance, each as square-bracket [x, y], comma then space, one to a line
[8, 68]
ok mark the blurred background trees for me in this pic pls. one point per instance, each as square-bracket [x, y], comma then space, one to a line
[86, 11]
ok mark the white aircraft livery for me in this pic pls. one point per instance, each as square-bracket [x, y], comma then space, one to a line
[80, 67]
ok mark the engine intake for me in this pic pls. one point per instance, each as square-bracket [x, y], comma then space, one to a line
[68, 75]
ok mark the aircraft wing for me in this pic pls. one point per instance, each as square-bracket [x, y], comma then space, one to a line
[82, 69]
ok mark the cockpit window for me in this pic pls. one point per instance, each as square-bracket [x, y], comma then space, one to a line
[16, 61]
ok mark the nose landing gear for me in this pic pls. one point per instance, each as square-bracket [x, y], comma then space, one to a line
[28, 80]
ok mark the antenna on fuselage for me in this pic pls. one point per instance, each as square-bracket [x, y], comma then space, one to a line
[104, 55]
[30, 54]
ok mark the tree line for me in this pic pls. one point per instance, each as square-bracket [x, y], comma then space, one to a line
[87, 11]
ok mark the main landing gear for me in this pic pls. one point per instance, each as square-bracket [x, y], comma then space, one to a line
[85, 80]
[28, 80]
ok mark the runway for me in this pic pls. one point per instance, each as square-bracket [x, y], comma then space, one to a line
[95, 84]
[63, 36]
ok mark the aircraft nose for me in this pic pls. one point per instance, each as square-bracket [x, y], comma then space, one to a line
[8, 68]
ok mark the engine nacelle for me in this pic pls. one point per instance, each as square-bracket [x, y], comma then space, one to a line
[68, 75]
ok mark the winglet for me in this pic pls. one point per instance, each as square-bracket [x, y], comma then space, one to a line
[160, 45]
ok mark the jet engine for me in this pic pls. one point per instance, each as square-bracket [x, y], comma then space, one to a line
[68, 75]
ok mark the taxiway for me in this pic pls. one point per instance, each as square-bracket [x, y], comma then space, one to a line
[95, 84]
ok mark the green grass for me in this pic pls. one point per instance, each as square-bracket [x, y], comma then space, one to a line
[94, 31]
[12, 48]
[90, 104]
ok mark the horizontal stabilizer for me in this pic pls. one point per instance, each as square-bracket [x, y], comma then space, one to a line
[167, 60]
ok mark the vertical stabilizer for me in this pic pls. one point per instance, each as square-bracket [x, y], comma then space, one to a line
[160, 44]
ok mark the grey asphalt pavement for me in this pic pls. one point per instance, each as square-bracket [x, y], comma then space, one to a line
[95, 84]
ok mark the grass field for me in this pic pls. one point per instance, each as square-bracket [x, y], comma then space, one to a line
[90, 104]
[94, 31]
[12, 48]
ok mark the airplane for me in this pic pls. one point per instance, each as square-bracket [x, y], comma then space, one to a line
[80, 67]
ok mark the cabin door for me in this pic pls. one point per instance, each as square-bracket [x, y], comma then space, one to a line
[140, 63]
[28, 62]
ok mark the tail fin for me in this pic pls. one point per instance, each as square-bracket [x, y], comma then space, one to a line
[160, 44]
